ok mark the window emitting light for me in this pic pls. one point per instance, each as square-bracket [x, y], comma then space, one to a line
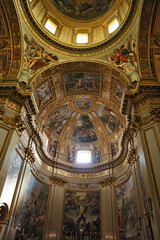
[82, 38]
[113, 25]
[83, 156]
[50, 26]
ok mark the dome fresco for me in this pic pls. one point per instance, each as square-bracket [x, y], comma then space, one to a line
[83, 9]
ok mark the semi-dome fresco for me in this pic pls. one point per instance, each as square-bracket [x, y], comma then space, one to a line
[84, 131]
[82, 112]
[83, 9]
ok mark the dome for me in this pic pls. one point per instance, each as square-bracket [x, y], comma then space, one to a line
[61, 22]
[83, 10]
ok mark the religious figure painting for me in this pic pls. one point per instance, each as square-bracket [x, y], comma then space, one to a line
[76, 82]
[35, 56]
[71, 154]
[52, 147]
[32, 214]
[127, 212]
[83, 9]
[125, 58]
[96, 154]
[11, 180]
[82, 215]
[43, 94]
[58, 118]
[84, 131]
[118, 91]
[83, 104]
[114, 148]
[109, 118]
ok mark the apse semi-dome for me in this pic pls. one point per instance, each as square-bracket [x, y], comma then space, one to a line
[79, 109]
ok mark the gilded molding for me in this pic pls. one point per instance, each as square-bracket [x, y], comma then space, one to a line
[58, 181]
[154, 115]
[108, 182]
[146, 93]
[29, 155]
[132, 156]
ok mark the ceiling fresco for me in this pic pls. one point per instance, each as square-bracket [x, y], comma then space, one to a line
[43, 94]
[109, 118]
[58, 118]
[83, 9]
[35, 58]
[125, 58]
[84, 131]
[76, 82]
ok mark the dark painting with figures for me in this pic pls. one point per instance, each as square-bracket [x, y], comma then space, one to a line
[84, 131]
[81, 215]
[127, 212]
[32, 215]
[83, 9]
[76, 82]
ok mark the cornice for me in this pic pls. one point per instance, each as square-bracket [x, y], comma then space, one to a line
[144, 89]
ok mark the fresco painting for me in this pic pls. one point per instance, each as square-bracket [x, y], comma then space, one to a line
[35, 58]
[52, 147]
[109, 118]
[83, 104]
[76, 82]
[82, 215]
[71, 154]
[32, 214]
[58, 118]
[11, 180]
[35, 55]
[127, 212]
[125, 58]
[118, 91]
[84, 131]
[114, 148]
[96, 154]
[43, 94]
[83, 9]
